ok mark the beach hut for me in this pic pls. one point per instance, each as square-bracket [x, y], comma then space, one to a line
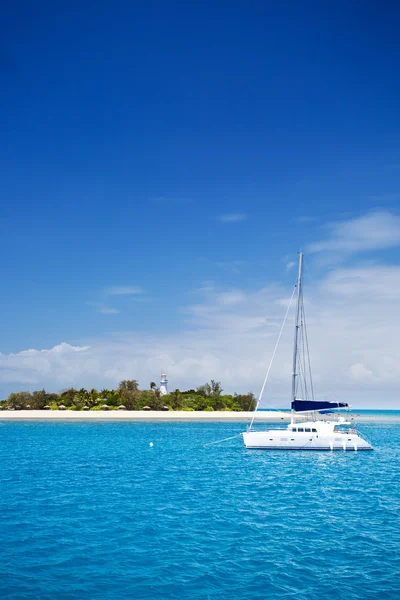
[47, 407]
[146, 408]
[28, 406]
[85, 408]
[121, 407]
[165, 407]
[62, 407]
[104, 407]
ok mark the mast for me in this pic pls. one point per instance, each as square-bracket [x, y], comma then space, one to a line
[296, 333]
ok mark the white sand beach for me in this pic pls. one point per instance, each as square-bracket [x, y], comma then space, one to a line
[141, 415]
[187, 416]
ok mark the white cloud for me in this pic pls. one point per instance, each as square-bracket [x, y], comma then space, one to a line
[61, 363]
[124, 290]
[360, 373]
[369, 283]
[353, 335]
[108, 310]
[229, 335]
[373, 231]
[232, 217]
[103, 309]
[231, 297]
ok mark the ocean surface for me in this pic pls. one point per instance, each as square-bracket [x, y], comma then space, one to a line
[91, 510]
[353, 412]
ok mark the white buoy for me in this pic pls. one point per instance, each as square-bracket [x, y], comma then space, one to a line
[151, 444]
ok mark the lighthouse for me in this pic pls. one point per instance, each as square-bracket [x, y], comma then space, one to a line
[163, 384]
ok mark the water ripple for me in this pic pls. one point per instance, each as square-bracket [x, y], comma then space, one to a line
[89, 510]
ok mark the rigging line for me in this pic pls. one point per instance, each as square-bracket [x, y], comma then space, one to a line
[312, 280]
[308, 354]
[302, 369]
[303, 355]
[272, 359]
[300, 383]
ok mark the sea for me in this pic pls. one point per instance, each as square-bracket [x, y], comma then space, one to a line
[118, 510]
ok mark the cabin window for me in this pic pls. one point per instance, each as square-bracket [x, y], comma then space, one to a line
[314, 430]
[294, 429]
[308, 430]
[338, 439]
[283, 439]
[300, 429]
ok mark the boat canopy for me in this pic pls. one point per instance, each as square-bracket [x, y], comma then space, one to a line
[321, 405]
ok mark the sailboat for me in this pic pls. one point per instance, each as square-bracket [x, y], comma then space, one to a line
[314, 433]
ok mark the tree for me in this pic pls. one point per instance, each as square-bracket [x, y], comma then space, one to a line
[19, 399]
[151, 398]
[152, 385]
[176, 399]
[246, 401]
[216, 388]
[130, 399]
[67, 397]
[212, 389]
[39, 400]
[202, 390]
[129, 384]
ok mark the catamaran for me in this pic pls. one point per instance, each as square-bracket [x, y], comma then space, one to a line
[313, 433]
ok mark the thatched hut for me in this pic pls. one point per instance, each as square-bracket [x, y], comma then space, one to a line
[85, 408]
[121, 407]
[62, 407]
[47, 407]
[104, 407]
[165, 407]
[146, 408]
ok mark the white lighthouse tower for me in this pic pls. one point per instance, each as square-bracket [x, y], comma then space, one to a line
[163, 384]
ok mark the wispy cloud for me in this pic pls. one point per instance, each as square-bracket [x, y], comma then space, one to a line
[230, 336]
[111, 293]
[107, 310]
[235, 217]
[124, 290]
[289, 265]
[377, 230]
[234, 266]
[103, 308]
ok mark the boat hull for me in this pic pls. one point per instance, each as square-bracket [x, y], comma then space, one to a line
[284, 440]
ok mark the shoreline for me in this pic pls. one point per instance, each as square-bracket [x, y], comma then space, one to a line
[173, 416]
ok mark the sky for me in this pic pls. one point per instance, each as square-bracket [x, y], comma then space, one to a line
[161, 166]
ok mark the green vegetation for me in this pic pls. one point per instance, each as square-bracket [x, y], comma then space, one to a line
[128, 396]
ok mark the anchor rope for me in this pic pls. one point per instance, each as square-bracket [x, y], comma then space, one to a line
[223, 440]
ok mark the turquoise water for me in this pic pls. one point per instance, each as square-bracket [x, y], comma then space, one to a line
[354, 411]
[90, 510]
[388, 413]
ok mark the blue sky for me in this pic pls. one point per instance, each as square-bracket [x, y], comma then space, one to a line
[156, 153]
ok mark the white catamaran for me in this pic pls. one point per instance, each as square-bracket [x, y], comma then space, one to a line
[312, 433]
